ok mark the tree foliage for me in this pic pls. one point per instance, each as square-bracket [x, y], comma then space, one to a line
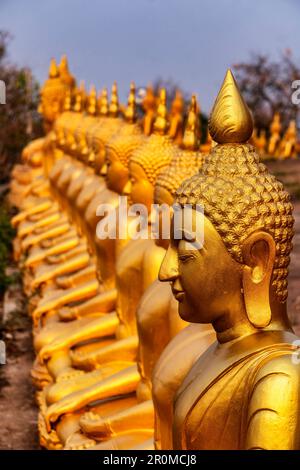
[267, 87]
[19, 120]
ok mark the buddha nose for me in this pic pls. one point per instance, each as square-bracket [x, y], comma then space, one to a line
[104, 170]
[127, 188]
[91, 158]
[169, 267]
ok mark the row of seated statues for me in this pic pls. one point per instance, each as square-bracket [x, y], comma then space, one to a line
[146, 343]
[279, 145]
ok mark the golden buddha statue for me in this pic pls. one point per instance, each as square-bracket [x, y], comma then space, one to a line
[157, 320]
[94, 183]
[261, 143]
[145, 166]
[242, 392]
[288, 144]
[176, 118]
[37, 207]
[52, 96]
[109, 125]
[118, 148]
[77, 172]
[85, 177]
[24, 176]
[85, 174]
[117, 159]
[62, 119]
[68, 181]
[275, 132]
[149, 107]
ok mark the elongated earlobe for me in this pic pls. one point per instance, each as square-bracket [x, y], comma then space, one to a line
[259, 256]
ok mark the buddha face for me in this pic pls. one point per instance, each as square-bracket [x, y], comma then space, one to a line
[139, 188]
[97, 157]
[51, 105]
[163, 196]
[116, 172]
[205, 280]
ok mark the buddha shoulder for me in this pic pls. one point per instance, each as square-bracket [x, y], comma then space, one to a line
[273, 406]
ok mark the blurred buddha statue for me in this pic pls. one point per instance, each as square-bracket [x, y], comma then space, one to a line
[134, 273]
[34, 193]
[86, 204]
[149, 107]
[53, 93]
[242, 392]
[103, 250]
[275, 132]
[60, 175]
[48, 218]
[23, 176]
[288, 144]
[261, 142]
[176, 118]
[157, 321]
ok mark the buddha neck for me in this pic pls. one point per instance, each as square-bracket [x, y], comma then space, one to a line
[233, 323]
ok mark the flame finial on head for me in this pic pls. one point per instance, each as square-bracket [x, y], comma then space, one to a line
[191, 136]
[92, 101]
[230, 120]
[64, 72]
[130, 112]
[103, 102]
[177, 103]
[114, 101]
[53, 69]
[149, 99]
[68, 100]
[79, 98]
[161, 123]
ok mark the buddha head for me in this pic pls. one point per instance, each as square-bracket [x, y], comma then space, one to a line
[130, 111]
[95, 158]
[176, 117]
[107, 127]
[237, 278]
[80, 98]
[149, 106]
[120, 148]
[52, 96]
[149, 160]
[103, 103]
[114, 101]
[83, 125]
[92, 101]
[185, 163]
[60, 123]
[73, 120]
[177, 103]
[149, 99]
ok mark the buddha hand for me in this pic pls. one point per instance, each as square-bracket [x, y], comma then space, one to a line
[93, 424]
[67, 314]
[49, 349]
[66, 405]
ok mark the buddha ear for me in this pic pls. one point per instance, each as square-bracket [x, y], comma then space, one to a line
[258, 255]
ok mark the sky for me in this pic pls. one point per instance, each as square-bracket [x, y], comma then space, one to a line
[192, 42]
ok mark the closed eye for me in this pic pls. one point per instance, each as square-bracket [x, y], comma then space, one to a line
[184, 257]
